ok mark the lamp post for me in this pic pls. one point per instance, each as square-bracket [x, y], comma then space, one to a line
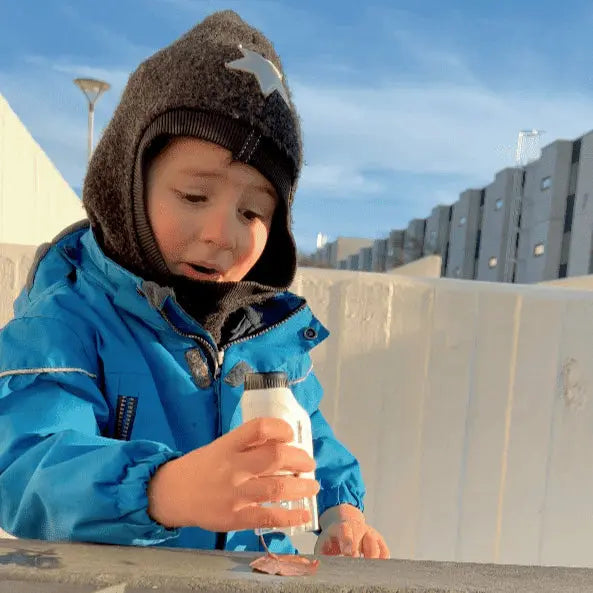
[92, 89]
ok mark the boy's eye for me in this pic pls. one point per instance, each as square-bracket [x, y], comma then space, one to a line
[250, 215]
[193, 198]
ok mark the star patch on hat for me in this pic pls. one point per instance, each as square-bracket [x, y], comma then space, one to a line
[268, 76]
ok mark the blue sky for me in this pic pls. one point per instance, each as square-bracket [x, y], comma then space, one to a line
[404, 104]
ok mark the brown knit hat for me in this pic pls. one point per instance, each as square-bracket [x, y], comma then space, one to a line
[221, 82]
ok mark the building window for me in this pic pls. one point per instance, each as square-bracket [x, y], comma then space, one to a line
[498, 204]
[538, 250]
[433, 235]
[569, 213]
[562, 270]
[576, 150]
[492, 262]
[546, 183]
[462, 221]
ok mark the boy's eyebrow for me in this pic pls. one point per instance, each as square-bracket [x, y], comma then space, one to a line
[192, 172]
[267, 191]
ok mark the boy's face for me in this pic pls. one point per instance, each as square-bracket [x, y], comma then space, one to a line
[208, 210]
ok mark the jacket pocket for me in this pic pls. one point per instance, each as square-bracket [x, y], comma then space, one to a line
[125, 414]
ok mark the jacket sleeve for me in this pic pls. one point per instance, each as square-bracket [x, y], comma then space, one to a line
[59, 478]
[338, 471]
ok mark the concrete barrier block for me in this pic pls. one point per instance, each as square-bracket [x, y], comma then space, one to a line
[426, 267]
[567, 529]
[399, 437]
[47, 567]
[524, 456]
[363, 387]
[497, 321]
[443, 422]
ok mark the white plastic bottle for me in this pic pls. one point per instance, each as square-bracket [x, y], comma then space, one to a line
[268, 395]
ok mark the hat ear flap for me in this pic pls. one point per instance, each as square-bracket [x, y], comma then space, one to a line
[271, 268]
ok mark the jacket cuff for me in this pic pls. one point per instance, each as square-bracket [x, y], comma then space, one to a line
[341, 494]
[132, 500]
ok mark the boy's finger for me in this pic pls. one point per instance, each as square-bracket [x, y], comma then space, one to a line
[370, 546]
[259, 431]
[346, 538]
[385, 553]
[256, 516]
[275, 457]
[331, 547]
[276, 489]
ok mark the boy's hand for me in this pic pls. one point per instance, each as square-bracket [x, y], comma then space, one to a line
[219, 487]
[345, 532]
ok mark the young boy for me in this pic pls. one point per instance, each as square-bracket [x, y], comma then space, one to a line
[122, 371]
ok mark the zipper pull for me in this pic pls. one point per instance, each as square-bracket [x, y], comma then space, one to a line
[219, 364]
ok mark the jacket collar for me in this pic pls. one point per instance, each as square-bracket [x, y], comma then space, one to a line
[152, 302]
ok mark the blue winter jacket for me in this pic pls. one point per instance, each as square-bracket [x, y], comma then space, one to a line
[103, 378]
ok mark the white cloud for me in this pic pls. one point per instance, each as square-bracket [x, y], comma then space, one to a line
[337, 179]
[430, 59]
[460, 130]
[103, 40]
[116, 78]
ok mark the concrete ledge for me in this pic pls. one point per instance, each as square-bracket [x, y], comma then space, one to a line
[576, 282]
[426, 267]
[28, 566]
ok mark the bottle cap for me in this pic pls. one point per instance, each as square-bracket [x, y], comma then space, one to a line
[265, 380]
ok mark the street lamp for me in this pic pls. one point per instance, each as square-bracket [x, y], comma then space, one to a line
[92, 89]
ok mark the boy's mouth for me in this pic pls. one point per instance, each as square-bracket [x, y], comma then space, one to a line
[201, 272]
[204, 269]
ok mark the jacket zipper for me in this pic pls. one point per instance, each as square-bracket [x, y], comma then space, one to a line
[217, 355]
[126, 411]
[213, 351]
[266, 330]
[218, 359]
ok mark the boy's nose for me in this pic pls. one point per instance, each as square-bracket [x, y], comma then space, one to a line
[218, 227]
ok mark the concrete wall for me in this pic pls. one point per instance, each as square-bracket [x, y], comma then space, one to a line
[48, 567]
[498, 205]
[581, 247]
[469, 406]
[15, 262]
[542, 215]
[465, 235]
[414, 240]
[578, 282]
[425, 267]
[35, 200]
[481, 446]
